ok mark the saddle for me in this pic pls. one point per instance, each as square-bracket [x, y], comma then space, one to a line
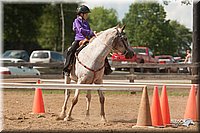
[82, 44]
[85, 41]
[70, 56]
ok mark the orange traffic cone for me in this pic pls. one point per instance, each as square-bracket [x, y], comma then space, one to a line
[156, 115]
[165, 106]
[191, 108]
[38, 104]
[198, 100]
[144, 115]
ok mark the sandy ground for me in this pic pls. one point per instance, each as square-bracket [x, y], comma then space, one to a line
[121, 110]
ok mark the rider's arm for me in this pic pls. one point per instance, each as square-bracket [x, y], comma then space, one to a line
[187, 58]
[85, 32]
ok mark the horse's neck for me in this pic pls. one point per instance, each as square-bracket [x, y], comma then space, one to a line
[97, 50]
[101, 45]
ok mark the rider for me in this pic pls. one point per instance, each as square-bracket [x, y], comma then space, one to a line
[83, 34]
[188, 58]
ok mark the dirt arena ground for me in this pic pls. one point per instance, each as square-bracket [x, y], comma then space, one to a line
[121, 110]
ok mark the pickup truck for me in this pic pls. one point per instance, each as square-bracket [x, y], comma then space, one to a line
[142, 55]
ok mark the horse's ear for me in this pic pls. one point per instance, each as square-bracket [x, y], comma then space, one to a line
[117, 26]
[123, 27]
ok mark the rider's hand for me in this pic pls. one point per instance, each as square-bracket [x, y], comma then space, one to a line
[95, 33]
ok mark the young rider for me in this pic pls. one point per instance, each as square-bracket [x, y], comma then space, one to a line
[83, 33]
[188, 58]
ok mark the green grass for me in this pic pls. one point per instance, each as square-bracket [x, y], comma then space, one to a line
[177, 94]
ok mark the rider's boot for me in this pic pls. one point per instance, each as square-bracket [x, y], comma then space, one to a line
[108, 69]
[67, 73]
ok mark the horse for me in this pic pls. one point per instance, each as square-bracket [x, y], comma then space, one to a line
[89, 66]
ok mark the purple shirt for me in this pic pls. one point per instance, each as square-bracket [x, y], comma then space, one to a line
[82, 29]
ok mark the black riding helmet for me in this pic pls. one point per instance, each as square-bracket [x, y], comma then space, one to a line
[83, 9]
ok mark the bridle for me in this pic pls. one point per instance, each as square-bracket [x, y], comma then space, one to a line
[121, 36]
[118, 35]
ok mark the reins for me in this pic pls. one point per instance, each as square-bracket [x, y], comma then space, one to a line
[111, 49]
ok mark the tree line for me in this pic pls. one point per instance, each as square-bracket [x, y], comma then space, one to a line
[38, 26]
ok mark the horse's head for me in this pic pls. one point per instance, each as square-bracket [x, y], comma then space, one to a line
[120, 43]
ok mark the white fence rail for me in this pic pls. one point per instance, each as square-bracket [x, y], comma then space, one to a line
[92, 87]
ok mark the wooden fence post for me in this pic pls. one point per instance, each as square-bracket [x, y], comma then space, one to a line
[131, 72]
[196, 47]
[196, 37]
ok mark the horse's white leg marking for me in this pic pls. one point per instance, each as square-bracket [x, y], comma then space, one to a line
[74, 101]
[88, 99]
[67, 95]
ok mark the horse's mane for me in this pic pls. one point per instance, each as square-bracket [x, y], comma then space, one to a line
[98, 34]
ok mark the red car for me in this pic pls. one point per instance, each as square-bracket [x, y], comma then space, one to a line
[142, 55]
[166, 59]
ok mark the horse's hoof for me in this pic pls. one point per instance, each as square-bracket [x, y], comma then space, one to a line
[68, 119]
[61, 117]
[87, 117]
[103, 120]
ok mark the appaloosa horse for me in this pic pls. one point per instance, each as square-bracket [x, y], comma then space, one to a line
[89, 66]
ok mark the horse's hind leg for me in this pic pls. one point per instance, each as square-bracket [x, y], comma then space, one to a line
[74, 101]
[88, 99]
[67, 95]
[102, 99]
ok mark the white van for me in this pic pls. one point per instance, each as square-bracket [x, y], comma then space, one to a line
[46, 56]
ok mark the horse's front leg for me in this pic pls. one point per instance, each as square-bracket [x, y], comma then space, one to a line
[74, 101]
[102, 100]
[67, 95]
[88, 100]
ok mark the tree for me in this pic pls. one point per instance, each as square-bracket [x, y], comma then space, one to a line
[183, 37]
[69, 15]
[37, 26]
[146, 26]
[20, 25]
[50, 25]
[102, 19]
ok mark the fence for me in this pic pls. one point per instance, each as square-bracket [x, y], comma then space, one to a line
[54, 70]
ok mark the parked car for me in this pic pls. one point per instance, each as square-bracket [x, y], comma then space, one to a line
[177, 59]
[183, 69]
[11, 60]
[17, 54]
[141, 55]
[46, 56]
[166, 59]
[16, 70]
[12, 70]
